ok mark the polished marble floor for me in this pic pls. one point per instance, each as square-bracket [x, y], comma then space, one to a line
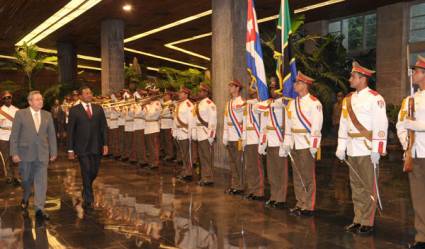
[151, 209]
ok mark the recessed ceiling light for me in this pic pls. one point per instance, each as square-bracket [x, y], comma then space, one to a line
[127, 7]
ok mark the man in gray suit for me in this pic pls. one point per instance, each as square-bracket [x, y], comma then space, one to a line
[32, 145]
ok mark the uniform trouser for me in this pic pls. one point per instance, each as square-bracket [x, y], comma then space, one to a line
[364, 206]
[194, 147]
[417, 190]
[205, 156]
[277, 174]
[110, 140]
[120, 141]
[89, 165]
[166, 143]
[34, 173]
[236, 165]
[253, 170]
[128, 143]
[152, 145]
[184, 150]
[140, 146]
[304, 171]
[113, 142]
[8, 164]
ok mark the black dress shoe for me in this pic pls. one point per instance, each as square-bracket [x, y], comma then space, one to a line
[294, 209]
[307, 213]
[417, 245]
[229, 191]
[87, 206]
[280, 205]
[365, 230]
[249, 197]
[352, 227]
[237, 192]
[185, 178]
[40, 215]
[9, 180]
[24, 205]
[205, 183]
[16, 182]
[270, 203]
[257, 198]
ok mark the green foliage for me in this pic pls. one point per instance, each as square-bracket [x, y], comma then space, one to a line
[133, 72]
[174, 78]
[29, 60]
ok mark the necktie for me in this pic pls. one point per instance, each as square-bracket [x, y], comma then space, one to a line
[88, 111]
[37, 121]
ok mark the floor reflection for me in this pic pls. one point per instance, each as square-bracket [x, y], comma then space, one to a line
[135, 209]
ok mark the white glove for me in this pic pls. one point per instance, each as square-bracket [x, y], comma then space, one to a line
[225, 142]
[340, 154]
[375, 157]
[243, 143]
[313, 152]
[262, 149]
[414, 125]
[284, 150]
[211, 140]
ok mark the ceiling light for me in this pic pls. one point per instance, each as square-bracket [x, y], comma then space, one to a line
[171, 45]
[163, 58]
[318, 5]
[127, 7]
[153, 68]
[63, 16]
[168, 26]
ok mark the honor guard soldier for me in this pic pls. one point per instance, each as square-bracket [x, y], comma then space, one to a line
[232, 136]
[362, 136]
[166, 126]
[302, 139]
[152, 112]
[205, 124]
[182, 132]
[412, 118]
[139, 130]
[271, 135]
[252, 159]
[7, 115]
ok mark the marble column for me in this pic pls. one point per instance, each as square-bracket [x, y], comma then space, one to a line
[67, 63]
[392, 39]
[112, 49]
[228, 60]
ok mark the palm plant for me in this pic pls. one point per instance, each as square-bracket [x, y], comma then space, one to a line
[29, 60]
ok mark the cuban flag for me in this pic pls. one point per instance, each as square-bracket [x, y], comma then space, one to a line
[254, 54]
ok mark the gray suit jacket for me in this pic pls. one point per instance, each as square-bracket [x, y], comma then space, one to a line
[27, 143]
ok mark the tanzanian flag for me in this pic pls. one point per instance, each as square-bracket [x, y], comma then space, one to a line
[286, 69]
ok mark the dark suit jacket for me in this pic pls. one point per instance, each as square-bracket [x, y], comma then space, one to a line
[27, 143]
[87, 136]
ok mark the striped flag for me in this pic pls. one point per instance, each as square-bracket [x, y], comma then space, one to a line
[254, 54]
[286, 69]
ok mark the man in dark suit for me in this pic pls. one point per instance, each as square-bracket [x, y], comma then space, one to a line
[32, 145]
[87, 138]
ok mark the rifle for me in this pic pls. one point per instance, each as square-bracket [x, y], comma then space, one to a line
[408, 160]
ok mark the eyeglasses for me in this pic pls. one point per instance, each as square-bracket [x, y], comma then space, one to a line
[7, 97]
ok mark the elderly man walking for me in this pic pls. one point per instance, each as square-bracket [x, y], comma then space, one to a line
[32, 145]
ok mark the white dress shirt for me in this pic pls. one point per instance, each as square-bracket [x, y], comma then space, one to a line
[6, 124]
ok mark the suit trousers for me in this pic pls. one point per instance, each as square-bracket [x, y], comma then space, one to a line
[305, 169]
[34, 173]
[417, 189]
[89, 166]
